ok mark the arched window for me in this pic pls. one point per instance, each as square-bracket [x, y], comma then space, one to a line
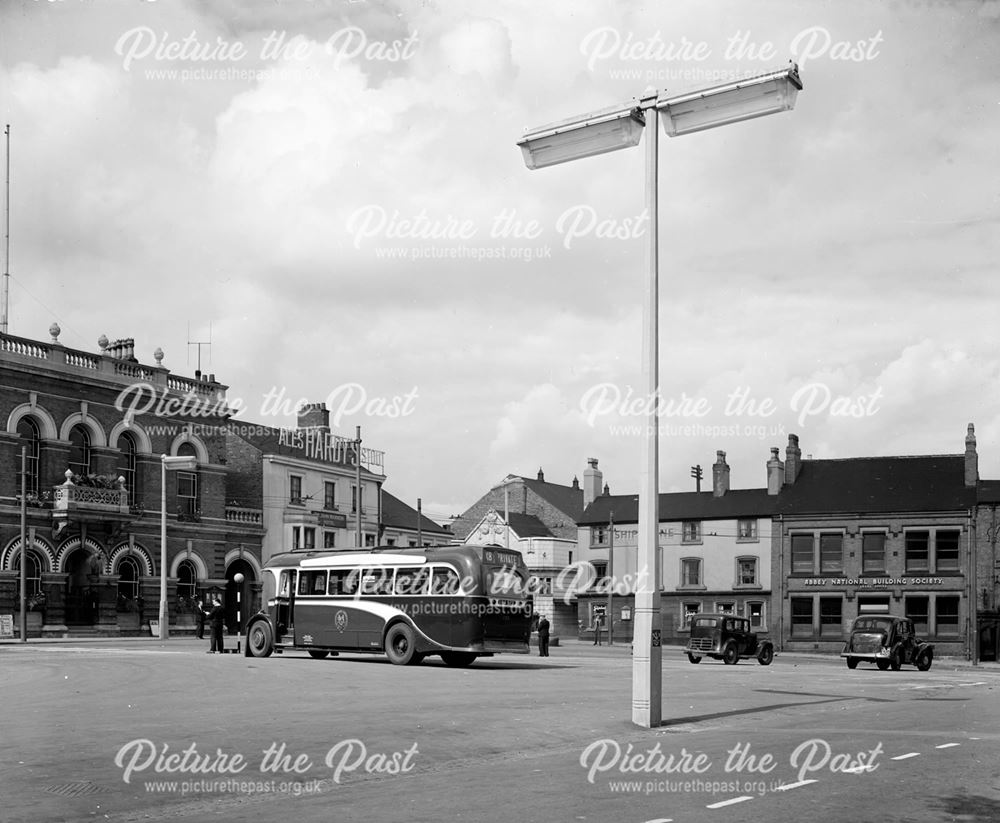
[128, 581]
[27, 428]
[32, 571]
[79, 450]
[188, 501]
[187, 580]
[126, 465]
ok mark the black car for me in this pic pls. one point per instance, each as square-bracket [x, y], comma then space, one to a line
[726, 638]
[888, 642]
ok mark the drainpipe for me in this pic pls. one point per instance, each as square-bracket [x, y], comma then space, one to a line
[974, 599]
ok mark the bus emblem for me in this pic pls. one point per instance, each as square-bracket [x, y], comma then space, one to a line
[340, 620]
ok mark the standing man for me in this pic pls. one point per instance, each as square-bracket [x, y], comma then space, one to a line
[201, 620]
[217, 617]
[598, 623]
[543, 636]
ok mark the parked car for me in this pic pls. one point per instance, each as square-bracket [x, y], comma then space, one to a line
[888, 642]
[726, 638]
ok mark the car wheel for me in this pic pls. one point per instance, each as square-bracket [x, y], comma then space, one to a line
[400, 645]
[882, 665]
[730, 654]
[318, 654]
[458, 660]
[693, 658]
[765, 655]
[896, 660]
[259, 641]
[852, 662]
[925, 660]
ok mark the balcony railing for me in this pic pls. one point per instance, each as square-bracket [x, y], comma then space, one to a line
[238, 514]
[68, 497]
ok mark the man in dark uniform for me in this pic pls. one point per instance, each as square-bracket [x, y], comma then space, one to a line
[217, 617]
[201, 620]
[543, 636]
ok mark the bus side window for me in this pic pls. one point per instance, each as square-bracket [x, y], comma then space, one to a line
[344, 581]
[411, 581]
[377, 580]
[444, 580]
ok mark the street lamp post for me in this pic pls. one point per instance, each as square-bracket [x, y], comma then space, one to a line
[173, 464]
[609, 130]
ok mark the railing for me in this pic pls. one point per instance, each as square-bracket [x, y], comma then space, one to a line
[68, 495]
[238, 514]
[26, 348]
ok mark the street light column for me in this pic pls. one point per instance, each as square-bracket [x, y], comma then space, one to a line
[164, 614]
[647, 681]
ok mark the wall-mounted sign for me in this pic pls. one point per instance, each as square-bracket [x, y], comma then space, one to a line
[871, 582]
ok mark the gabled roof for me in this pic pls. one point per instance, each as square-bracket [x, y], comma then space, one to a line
[527, 525]
[705, 505]
[567, 499]
[397, 515]
[878, 484]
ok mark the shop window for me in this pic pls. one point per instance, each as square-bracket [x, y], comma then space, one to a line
[690, 572]
[916, 610]
[946, 550]
[303, 537]
[688, 612]
[746, 571]
[916, 551]
[947, 615]
[873, 553]
[369, 540]
[725, 607]
[802, 617]
[329, 540]
[831, 553]
[803, 561]
[755, 611]
[831, 624]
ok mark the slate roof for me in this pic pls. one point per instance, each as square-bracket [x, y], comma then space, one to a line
[398, 515]
[527, 525]
[565, 498]
[988, 491]
[705, 505]
[878, 484]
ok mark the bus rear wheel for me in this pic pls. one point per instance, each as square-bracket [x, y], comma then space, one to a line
[400, 645]
[318, 654]
[458, 660]
[259, 640]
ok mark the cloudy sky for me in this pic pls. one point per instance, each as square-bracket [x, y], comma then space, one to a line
[331, 189]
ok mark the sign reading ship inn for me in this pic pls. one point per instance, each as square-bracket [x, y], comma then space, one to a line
[872, 582]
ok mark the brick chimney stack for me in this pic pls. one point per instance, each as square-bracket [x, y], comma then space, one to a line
[971, 458]
[793, 459]
[314, 416]
[775, 473]
[593, 478]
[720, 475]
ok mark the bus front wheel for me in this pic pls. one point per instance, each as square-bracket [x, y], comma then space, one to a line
[458, 659]
[259, 640]
[400, 645]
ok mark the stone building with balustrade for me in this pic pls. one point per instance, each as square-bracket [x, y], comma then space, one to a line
[89, 430]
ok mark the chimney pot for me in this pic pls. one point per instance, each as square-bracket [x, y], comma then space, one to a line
[720, 475]
[592, 481]
[971, 458]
